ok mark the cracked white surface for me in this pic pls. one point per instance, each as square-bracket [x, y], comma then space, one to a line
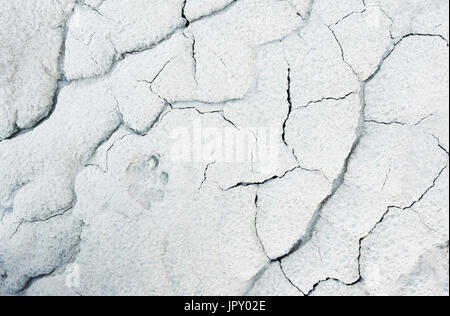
[224, 147]
[415, 16]
[28, 84]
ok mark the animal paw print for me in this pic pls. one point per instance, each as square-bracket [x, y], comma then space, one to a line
[146, 182]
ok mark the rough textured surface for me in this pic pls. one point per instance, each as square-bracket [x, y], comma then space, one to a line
[224, 147]
[28, 84]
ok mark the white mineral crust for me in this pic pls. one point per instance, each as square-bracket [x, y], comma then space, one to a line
[224, 147]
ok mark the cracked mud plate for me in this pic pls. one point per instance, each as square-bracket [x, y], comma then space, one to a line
[224, 147]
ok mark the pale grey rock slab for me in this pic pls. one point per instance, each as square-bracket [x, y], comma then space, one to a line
[38, 170]
[273, 283]
[50, 287]
[101, 157]
[336, 288]
[416, 16]
[217, 147]
[133, 81]
[227, 49]
[364, 50]
[139, 24]
[89, 41]
[322, 134]
[433, 207]
[222, 245]
[331, 12]
[223, 51]
[28, 85]
[100, 35]
[430, 275]
[330, 252]
[153, 207]
[437, 125]
[180, 68]
[257, 124]
[38, 248]
[318, 69]
[93, 3]
[195, 9]
[378, 177]
[412, 87]
[286, 207]
[393, 259]
[303, 7]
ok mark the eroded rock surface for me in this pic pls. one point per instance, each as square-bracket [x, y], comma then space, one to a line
[32, 37]
[224, 147]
